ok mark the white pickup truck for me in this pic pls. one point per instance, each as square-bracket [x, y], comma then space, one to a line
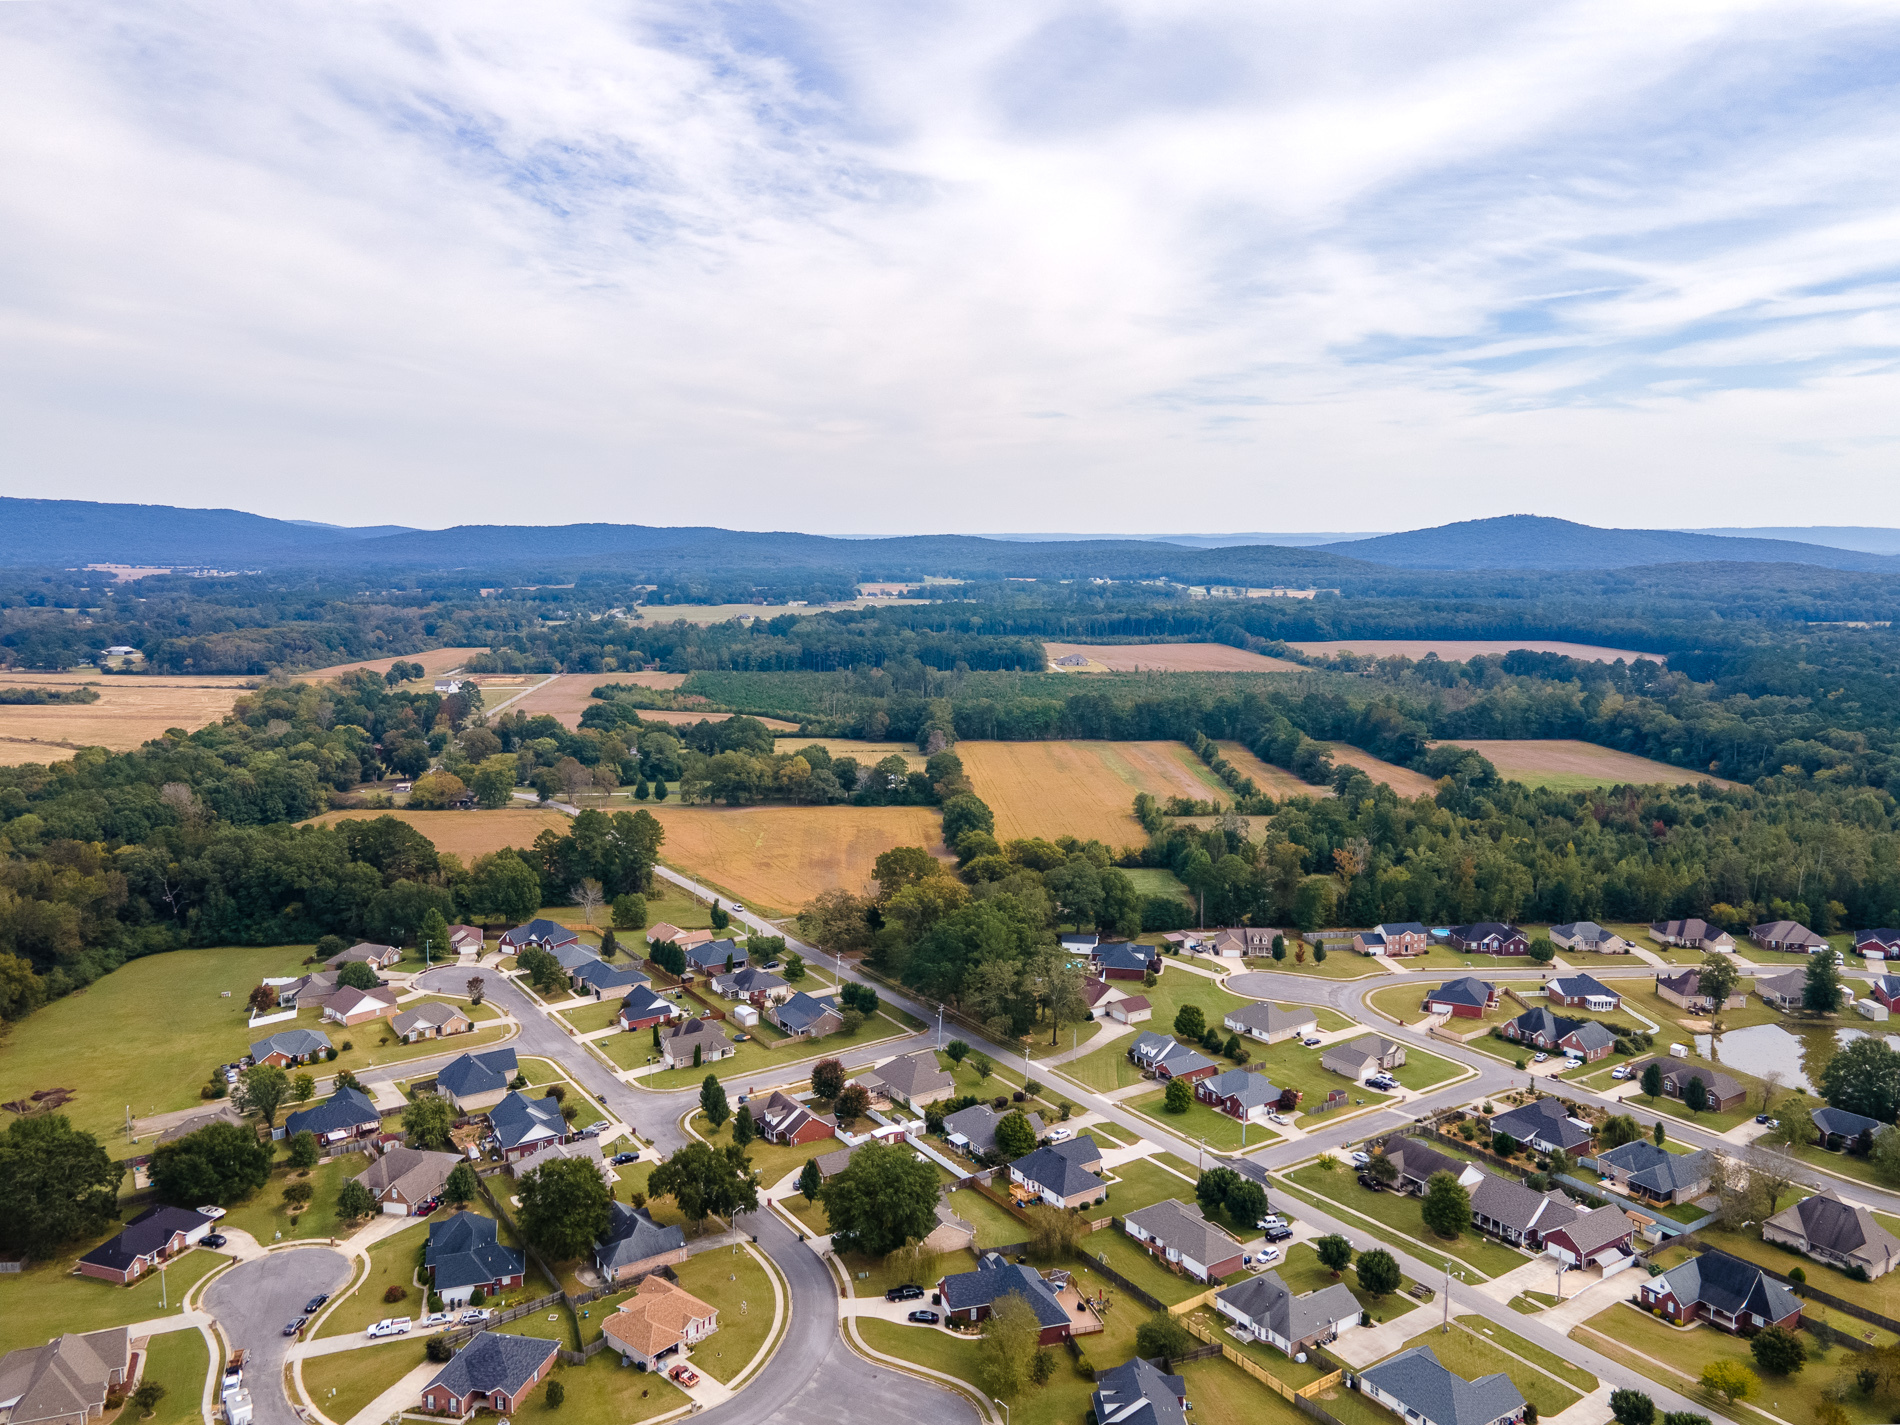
[394, 1326]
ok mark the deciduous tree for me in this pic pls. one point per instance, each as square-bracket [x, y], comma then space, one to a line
[880, 1199]
[1011, 1335]
[1447, 1206]
[220, 1163]
[1379, 1273]
[707, 1181]
[712, 1101]
[428, 1120]
[57, 1185]
[564, 1207]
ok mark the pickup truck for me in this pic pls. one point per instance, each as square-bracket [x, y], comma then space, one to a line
[393, 1326]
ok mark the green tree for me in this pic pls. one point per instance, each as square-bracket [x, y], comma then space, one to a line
[1778, 1351]
[1162, 1334]
[564, 1207]
[1617, 1130]
[462, 1185]
[433, 934]
[712, 1102]
[356, 975]
[1212, 1188]
[1179, 1098]
[503, 887]
[810, 1180]
[983, 1065]
[1447, 1206]
[428, 1119]
[1864, 1078]
[147, 1397]
[1717, 977]
[827, 1079]
[957, 1050]
[1657, 1136]
[262, 1091]
[1011, 1337]
[880, 1199]
[303, 1150]
[743, 1128]
[1379, 1273]
[1695, 1094]
[220, 1163]
[1190, 1022]
[1541, 949]
[1014, 1136]
[1279, 947]
[706, 1181]
[543, 970]
[1246, 1202]
[630, 911]
[302, 1087]
[720, 918]
[1632, 1407]
[354, 1201]
[1821, 993]
[1652, 1079]
[1335, 1253]
[57, 1185]
[556, 1393]
[1729, 1379]
[298, 1193]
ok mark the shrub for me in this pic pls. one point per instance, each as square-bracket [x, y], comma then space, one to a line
[477, 1297]
[348, 1044]
[1858, 1273]
[1796, 1274]
[298, 1194]
[396, 1293]
[556, 1394]
[330, 1053]
[147, 1396]
[439, 1350]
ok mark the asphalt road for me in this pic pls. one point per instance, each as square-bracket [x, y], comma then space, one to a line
[253, 1302]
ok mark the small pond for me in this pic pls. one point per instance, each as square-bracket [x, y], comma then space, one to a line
[1763, 1049]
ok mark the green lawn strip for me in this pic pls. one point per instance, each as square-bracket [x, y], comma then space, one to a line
[1281, 1366]
[1111, 1133]
[1338, 965]
[1441, 959]
[771, 1161]
[1844, 1164]
[1291, 1065]
[742, 1290]
[1105, 1069]
[1544, 1360]
[1221, 1390]
[812, 1214]
[392, 1262]
[1523, 1307]
[594, 1016]
[1141, 1183]
[1198, 1122]
[45, 1299]
[873, 1276]
[1179, 1164]
[1073, 1037]
[1352, 1407]
[556, 1323]
[601, 1391]
[342, 1384]
[179, 1361]
[1135, 1262]
[264, 1215]
[1465, 1353]
[1422, 1071]
[994, 1226]
[1641, 997]
[1402, 1215]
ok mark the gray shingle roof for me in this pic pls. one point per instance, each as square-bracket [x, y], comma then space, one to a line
[909, 1075]
[1729, 1285]
[1269, 1018]
[1137, 1392]
[1253, 1090]
[144, 1235]
[1841, 1121]
[1836, 1226]
[1121, 956]
[1465, 990]
[1574, 985]
[539, 932]
[1179, 1225]
[493, 1361]
[346, 1108]
[802, 1011]
[1416, 1378]
[1271, 1302]
[518, 1119]
[1057, 1173]
[712, 954]
[1596, 1229]
[426, 1016]
[598, 974]
[748, 980]
[478, 1073]
[1544, 1119]
[465, 1250]
[977, 1123]
[633, 1236]
[291, 1041]
[1508, 1202]
[995, 1278]
[1657, 1169]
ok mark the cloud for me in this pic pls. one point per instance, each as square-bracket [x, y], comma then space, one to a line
[836, 267]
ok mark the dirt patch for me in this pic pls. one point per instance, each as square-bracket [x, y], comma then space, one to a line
[1460, 649]
[1167, 658]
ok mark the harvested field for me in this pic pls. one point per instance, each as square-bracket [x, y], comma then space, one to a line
[1402, 780]
[1460, 649]
[1275, 781]
[644, 680]
[565, 697]
[776, 858]
[867, 753]
[777, 724]
[1577, 766]
[1084, 789]
[434, 663]
[467, 834]
[1168, 658]
[130, 712]
[720, 613]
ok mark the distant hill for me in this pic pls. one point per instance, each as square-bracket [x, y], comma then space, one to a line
[1869, 539]
[69, 532]
[1537, 542]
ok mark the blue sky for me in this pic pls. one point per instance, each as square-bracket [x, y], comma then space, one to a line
[976, 267]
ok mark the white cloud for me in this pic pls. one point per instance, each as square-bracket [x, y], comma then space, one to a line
[837, 267]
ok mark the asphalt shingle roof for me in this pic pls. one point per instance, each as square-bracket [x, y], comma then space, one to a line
[1729, 1285]
[346, 1108]
[1416, 1378]
[1271, 1302]
[1138, 1392]
[1057, 1173]
[291, 1041]
[478, 1073]
[633, 1236]
[995, 1278]
[1465, 990]
[465, 1251]
[517, 1119]
[144, 1235]
[493, 1361]
[1657, 1169]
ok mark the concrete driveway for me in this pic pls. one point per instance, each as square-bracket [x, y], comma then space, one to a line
[253, 1302]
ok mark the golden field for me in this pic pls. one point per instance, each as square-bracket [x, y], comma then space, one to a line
[435, 662]
[869, 754]
[466, 834]
[1168, 658]
[1084, 789]
[1402, 780]
[1274, 781]
[1577, 766]
[131, 711]
[1459, 649]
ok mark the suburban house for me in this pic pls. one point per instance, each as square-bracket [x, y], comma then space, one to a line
[1598, 1238]
[1265, 1308]
[467, 939]
[1243, 1095]
[635, 1245]
[754, 986]
[586, 1150]
[155, 1235]
[969, 1297]
[1417, 1164]
[431, 1021]
[1175, 1232]
[1056, 1175]
[1079, 942]
[1545, 1124]
[1840, 1129]
[972, 1130]
[642, 1009]
[786, 1120]
[493, 1370]
[290, 1047]
[1724, 1093]
[349, 1006]
[666, 930]
[377, 957]
[1131, 1009]
[1784, 991]
[805, 1017]
[704, 1036]
[1691, 935]
[1539, 1028]
[1466, 998]
[1489, 937]
[1655, 1175]
[836, 1161]
[522, 1124]
[1402, 938]
[1843, 1234]
[307, 991]
[402, 1178]
[1587, 935]
[1886, 989]
[346, 1114]
[597, 977]
[662, 1320]
[1723, 1291]
[1099, 994]
[1685, 988]
[544, 933]
[1365, 1056]
[715, 957]
[1582, 992]
[1123, 960]
[464, 1253]
[1507, 1209]
[1167, 1058]
[1883, 942]
[1238, 942]
[1138, 1392]
[477, 1081]
[572, 956]
[1269, 1023]
[1786, 935]
[66, 1381]
[1414, 1386]
[915, 1079]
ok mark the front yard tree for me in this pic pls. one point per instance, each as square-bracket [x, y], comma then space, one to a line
[1652, 1079]
[1014, 1136]
[354, 1201]
[852, 1103]
[1716, 977]
[882, 1198]
[1778, 1351]
[1821, 994]
[743, 1128]
[564, 1207]
[428, 1119]
[1447, 1206]
[1179, 1097]
[957, 1050]
[221, 1162]
[303, 1151]
[707, 1181]
[302, 1087]
[1246, 1202]
[827, 1079]
[1632, 1407]
[146, 1398]
[262, 1091]
[712, 1102]
[56, 1185]
[1864, 1077]
[1011, 1336]
[1618, 1130]
[1729, 1379]
[475, 989]
[544, 971]
[433, 933]
[462, 1186]
[1657, 1136]
[357, 975]
[810, 1180]
[1335, 1253]
[983, 1065]
[1383, 1170]
[1212, 1189]
[1190, 1022]
[1379, 1273]
[1695, 1094]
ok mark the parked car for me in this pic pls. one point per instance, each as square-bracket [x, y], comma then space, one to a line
[771, 964]
[1272, 1219]
[291, 1328]
[474, 1314]
[1382, 1082]
[315, 1302]
[908, 1292]
[1540, 1058]
[1061, 1135]
[1275, 1116]
[1370, 1183]
[214, 1213]
[394, 1326]
[923, 1318]
[1266, 1256]
[684, 1374]
[437, 1318]
[1621, 1071]
[1311, 1041]
[599, 1125]
[1279, 1234]
[623, 1158]
[1360, 1158]
[211, 1239]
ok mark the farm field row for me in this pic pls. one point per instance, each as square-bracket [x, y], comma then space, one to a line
[1084, 789]
[130, 712]
[1166, 658]
[1460, 649]
[1567, 765]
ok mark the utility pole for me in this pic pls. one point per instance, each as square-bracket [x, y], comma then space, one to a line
[940, 1026]
[1445, 1325]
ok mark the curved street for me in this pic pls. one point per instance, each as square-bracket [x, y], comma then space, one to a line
[253, 1301]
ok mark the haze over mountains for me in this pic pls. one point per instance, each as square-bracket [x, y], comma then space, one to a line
[66, 533]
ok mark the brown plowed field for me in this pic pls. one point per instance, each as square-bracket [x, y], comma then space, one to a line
[1402, 780]
[1084, 789]
[1457, 650]
[1169, 658]
[869, 754]
[467, 834]
[776, 858]
[130, 711]
[1578, 766]
[435, 662]
[1274, 781]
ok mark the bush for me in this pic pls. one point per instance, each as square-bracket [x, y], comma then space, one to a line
[477, 1297]
[147, 1396]
[1778, 1351]
[298, 1194]
[556, 1394]
[1796, 1274]
[396, 1293]
[330, 1053]
[438, 1350]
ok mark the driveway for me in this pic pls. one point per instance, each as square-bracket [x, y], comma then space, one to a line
[254, 1300]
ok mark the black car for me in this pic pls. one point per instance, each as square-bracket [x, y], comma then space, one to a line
[292, 1328]
[1366, 1180]
[1278, 1234]
[907, 1292]
[923, 1318]
[315, 1302]
[211, 1239]
[624, 1158]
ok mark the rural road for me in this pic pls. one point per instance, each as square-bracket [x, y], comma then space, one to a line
[254, 1301]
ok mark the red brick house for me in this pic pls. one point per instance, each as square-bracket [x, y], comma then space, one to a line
[785, 1120]
[155, 1235]
[969, 1297]
[492, 1370]
[642, 1009]
[1598, 1238]
[1722, 1291]
[1490, 937]
[1467, 998]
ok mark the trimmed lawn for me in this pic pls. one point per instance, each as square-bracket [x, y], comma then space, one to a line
[1105, 1132]
[1422, 1071]
[1292, 1065]
[1134, 1261]
[604, 1390]
[594, 1016]
[812, 1214]
[46, 1299]
[1882, 1294]
[771, 1160]
[1141, 1183]
[1338, 965]
[340, 1385]
[1469, 1354]
[1401, 1216]
[1547, 1361]
[179, 1361]
[994, 1226]
[1222, 1391]
[1405, 1001]
[752, 1057]
[264, 1215]
[1180, 1165]
[1106, 1068]
[1302, 1272]
[1706, 1120]
[1079, 1034]
[1201, 1122]
[873, 1276]
[392, 1262]
[1845, 1164]
[742, 1290]
[1641, 996]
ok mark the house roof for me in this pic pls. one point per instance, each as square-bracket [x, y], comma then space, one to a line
[1133, 1004]
[464, 1250]
[67, 1376]
[518, 1119]
[413, 1172]
[1418, 1161]
[995, 1278]
[656, 1318]
[1252, 1090]
[344, 1109]
[1270, 1301]
[1841, 1121]
[1885, 938]
[1466, 990]
[1592, 1231]
[802, 1011]
[493, 1361]
[1181, 1226]
[1587, 931]
[1836, 1226]
[1138, 1392]
[633, 1236]
[144, 1235]
[1589, 1035]
[1687, 983]
[545, 933]
[291, 1041]
[1485, 930]
[1677, 1073]
[427, 1016]
[1544, 1118]
[977, 1124]
[696, 1029]
[909, 1075]
[572, 955]
[600, 975]
[1058, 1173]
[1401, 927]
[1790, 983]
[640, 1002]
[712, 954]
[478, 1073]
[1691, 929]
[1417, 1380]
[347, 1001]
[1508, 1201]
[783, 1114]
[1785, 930]
[1121, 955]
[836, 1161]
[1728, 1284]
[587, 1150]
[1572, 986]
[1657, 1169]
[368, 953]
[749, 980]
[1269, 1018]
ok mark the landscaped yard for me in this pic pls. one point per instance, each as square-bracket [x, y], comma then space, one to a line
[1292, 1065]
[1105, 1068]
[1709, 1120]
[598, 1015]
[1422, 1071]
[1882, 1294]
[753, 1056]
[1134, 1261]
[342, 1384]
[1222, 1391]
[603, 1391]
[264, 1215]
[772, 1161]
[392, 1262]
[1141, 1182]
[1641, 997]
[994, 1226]
[46, 1299]
[1199, 1122]
[179, 1361]
[1400, 1215]
[739, 1286]
[1475, 1347]
[1302, 1272]
[1338, 964]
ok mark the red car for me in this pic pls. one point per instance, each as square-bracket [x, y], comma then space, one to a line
[684, 1374]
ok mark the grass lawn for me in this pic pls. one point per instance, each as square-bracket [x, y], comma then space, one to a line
[1141, 1183]
[1105, 1132]
[1078, 1035]
[1292, 1065]
[1338, 965]
[342, 1384]
[994, 1226]
[1467, 1353]
[873, 1276]
[1641, 997]
[771, 1160]
[812, 1215]
[740, 1287]
[1405, 1002]
[595, 1016]
[1105, 1068]
[603, 1390]
[1302, 1272]
[1201, 1122]
[1548, 1361]
[264, 1215]
[392, 1262]
[1221, 1390]
[1422, 1071]
[1707, 1120]
[45, 1299]
[1882, 1294]
[179, 1361]
[1846, 1164]
[1134, 1261]
[1400, 1215]
[752, 1057]
[1180, 1165]
[1282, 1367]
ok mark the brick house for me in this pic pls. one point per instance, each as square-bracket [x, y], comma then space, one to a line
[1599, 1238]
[1583, 992]
[1691, 935]
[155, 1235]
[970, 1297]
[544, 933]
[1177, 1234]
[66, 1381]
[1722, 1291]
[350, 1006]
[1058, 1174]
[464, 1252]
[347, 1114]
[786, 1120]
[377, 957]
[431, 1021]
[493, 1370]
[662, 1320]
[290, 1047]
[1489, 937]
[1541, 1029]
[403, 1178]
[1725, 1094]
[1168, 1058]
[1465, 998]
[1247, 1096]
[635, 1245]
[1403, 937]
[642, 1009]
[1790, 935]
[1655, 1175]
[1123, 960]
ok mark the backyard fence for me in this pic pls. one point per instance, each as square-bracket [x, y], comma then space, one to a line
[1254, 1368]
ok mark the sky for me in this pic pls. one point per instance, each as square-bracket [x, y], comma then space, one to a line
[899, 268]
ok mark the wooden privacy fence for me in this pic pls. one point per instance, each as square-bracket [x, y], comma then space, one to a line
[1260, 1372]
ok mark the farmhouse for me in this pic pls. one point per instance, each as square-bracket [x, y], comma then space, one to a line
[493, 1370]
[1465, 998]
[544, 933]
[1138, 1392]
[1655, 1175]
[465, 1252]
[1599, 1238]
[1839, 1129]
[1178, 1234]
[1169, 1059]
[916, 1079]
[636, 1245]
[1489, 937]
[155, 1235]
[430, 1021]
[1507, 1209]
[1723, 1291]
[522, 1124]
[1545, 1124]
[1724, 1093]
[786, 1120]
[289, 1047]
[348, 1006]
[377, 957]
[805, 1017]
[642, 1009]
[1365, 1056]
[1265, 1309]
[1691, 935]
[1418, 1164]
[1784, 991]
[346, 1114]
[969, 1297]
[1269, 1023]
[66, 1381]
[1583, 992]
[477, 1081]
[662, 1320]
[1786, 935]
[1414, 1386]
[702, 1036]
[1685, 988]
[1587, 935]
[1056, 1175]
[973, 1130]
[1243, 1095]
[1583, 1038]
[402, 1178]
[1843, 1234]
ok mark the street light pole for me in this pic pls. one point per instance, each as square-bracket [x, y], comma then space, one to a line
[1445, 1325]
[1005, 1410]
